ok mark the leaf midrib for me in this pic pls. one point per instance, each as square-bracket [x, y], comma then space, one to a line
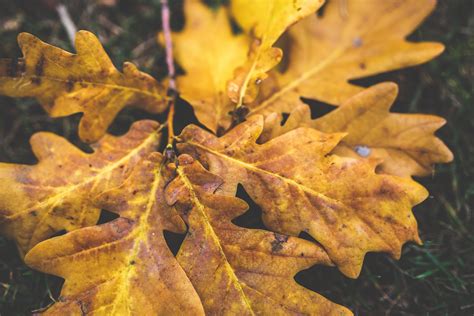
[214, 236]
[260, 170]
[90, 83]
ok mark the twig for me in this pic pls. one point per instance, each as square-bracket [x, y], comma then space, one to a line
[165, 18]
[67, 22]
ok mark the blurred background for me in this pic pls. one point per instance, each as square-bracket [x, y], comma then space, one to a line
[434, 279]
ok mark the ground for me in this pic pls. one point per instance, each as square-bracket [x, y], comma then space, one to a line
[434, 279]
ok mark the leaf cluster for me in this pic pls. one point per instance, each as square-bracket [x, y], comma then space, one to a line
[344, 178]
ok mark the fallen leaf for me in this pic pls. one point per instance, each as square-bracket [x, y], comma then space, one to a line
[235, 270]
[88, 82]
[209, 52]
[58, 193]
[123, 267]
[328, 51]
[265, 21]
[405, 143]
[341, 202]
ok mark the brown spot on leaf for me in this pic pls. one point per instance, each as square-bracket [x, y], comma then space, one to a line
[387, 191]
[69, 85]
[39, 68]
[277, 243]
[36, 80]
[83, 307]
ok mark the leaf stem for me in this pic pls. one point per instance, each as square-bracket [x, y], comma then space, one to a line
[172, 93]
[169, 121]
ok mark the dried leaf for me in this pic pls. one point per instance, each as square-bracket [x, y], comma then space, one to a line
[209, 52]
[265, 21]
[123, 267]
[404, 142]
[328, 51]
[340, 202]
[237, 270]
[58, 192]
[88, 82]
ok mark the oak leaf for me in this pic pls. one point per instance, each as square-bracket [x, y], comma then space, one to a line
[209, 52]
[341, 202]
[88, 82]
[123, 267]
[36, 201]
[404, 142]
[265, 21]
[327, 51]
[238, 270]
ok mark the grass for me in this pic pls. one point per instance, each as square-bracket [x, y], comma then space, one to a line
[434, 279]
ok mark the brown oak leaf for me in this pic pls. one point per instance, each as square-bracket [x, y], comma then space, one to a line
[341, 202]
[405, 143]
[238, 270]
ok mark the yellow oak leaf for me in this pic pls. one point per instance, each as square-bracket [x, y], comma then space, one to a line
[341, 202]
[328, 51]
[235, 270]
[88, 82]
[405, 143]
[209, 52]
[123, 267]
[265, 21]
[36, 201]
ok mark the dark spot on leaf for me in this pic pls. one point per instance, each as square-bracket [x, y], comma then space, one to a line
[39, 68]
[83, 307]
[36, 80]
[385, 190]
[69, 85]
[277, 244]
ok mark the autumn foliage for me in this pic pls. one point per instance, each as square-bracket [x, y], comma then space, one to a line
[344, 178]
